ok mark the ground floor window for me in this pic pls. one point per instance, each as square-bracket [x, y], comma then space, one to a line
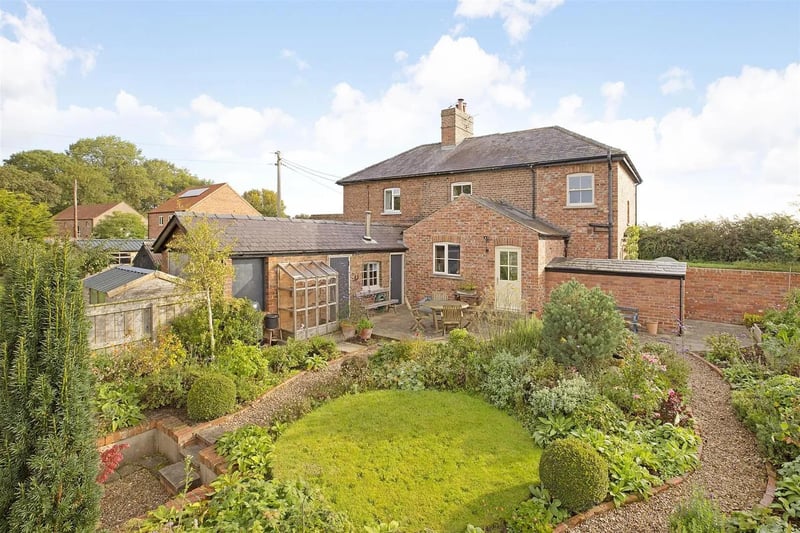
[371, 274]
[447, 259]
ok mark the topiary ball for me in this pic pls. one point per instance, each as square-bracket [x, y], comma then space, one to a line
[574, 473]
[211, 396]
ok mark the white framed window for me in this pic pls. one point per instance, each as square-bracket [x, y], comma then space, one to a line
[160, 220]
[457, 189]
[447, 259]
[580, 190]
[391, 200]
[371, 274]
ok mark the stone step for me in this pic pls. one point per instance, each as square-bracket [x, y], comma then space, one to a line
[210, 435]
[193, 450]
[174, 478]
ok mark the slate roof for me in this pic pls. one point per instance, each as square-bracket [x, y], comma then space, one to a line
[176, 203]
[658, 269]
[88, 211]
[552, 144]
[117, 245]
[520, 216]
[115, 277]
[261, 236]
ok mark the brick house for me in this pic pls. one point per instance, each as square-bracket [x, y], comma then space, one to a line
[216, 198]
[306, 271]
[531, 196]
[89, 216]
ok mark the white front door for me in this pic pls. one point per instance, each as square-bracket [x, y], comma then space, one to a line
[508, 275]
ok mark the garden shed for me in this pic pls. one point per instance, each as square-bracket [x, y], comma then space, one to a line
[308, 298]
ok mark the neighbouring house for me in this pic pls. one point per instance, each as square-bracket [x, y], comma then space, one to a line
[218, 198]
[88, 216]
[128, 304]
[121, 251]
[309, 272]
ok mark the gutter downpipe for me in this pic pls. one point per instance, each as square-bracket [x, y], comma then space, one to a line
[533, 191]
[680, 306]
[610, 205]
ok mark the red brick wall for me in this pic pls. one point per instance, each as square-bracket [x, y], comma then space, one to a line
[724, 295]
[466, 223]
[420, 197]
[223, 201]
[656, 298]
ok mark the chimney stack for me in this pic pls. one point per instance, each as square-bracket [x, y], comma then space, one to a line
[456, 124]
[367, 224]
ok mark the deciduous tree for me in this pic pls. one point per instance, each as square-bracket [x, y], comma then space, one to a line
[120, 226]
[265, 201]
[21, 218]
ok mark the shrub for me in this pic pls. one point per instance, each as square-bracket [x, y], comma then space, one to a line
[234, 320]
[211, 396]
[697, 515]
[787, 490]
[638, 386]
[582, 327]
[522, 337]
[537, 515]
[241, 360]
[677, 369]
[724, 349]
[249, 448]
[574, 473]
[117, 407]
[168, 386]
[506, 379]
[324, 347]
[564, 398]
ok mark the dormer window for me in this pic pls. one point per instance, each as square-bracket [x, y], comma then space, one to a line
[457, 189]
[391, 201]
[580, 190]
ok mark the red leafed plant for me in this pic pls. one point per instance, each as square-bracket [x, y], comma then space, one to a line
[109, 461]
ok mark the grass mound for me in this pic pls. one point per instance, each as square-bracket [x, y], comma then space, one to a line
[424, 458]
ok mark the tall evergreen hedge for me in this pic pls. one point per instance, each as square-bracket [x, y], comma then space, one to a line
[48, 460]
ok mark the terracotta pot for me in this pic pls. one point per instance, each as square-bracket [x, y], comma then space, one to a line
[652, 327]
[365, 334]
[348, 331]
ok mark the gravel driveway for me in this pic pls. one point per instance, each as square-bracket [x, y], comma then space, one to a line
[732, 470]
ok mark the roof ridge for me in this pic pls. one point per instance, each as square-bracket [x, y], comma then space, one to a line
[587, 139]
[339, 181]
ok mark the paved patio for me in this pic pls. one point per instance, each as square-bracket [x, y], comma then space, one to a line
[396, 325]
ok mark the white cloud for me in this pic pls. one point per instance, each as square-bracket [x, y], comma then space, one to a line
[400, 56]
[34, 59]
[292, 56]
[517, 15]
[675, 80]
[739, 153]
[613, 93]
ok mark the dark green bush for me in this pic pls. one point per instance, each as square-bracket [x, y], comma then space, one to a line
[582, 327]
[324, 347]
[574, 473]
[211, 396]
[242, 360]
[724, 349]
[234, 320]
[697, 515]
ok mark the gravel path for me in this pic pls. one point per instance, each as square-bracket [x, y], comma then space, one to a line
[732, 469]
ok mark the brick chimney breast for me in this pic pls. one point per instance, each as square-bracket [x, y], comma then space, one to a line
[456, 124]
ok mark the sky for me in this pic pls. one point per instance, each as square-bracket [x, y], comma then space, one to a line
[703, 96]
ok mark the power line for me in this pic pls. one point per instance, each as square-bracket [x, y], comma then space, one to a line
[321, 174]
[307, 176]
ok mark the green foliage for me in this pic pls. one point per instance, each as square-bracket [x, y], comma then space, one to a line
[117, 407]
[20, 218]
[120, 225]
[40, 190]
[249, 449]
[48, 459]
[575, 473]
[638, 385]
[236, 321]
[631, 242]
[582, 327]
[537, 515]
[563, 398]
[265, 201]
[723, 349]
[771, 409]
[755, 238]
[753, 319]
[364, 323]
[211, 396]
[241, 360]
[741, 374]
[92, 259]
[385, 454]
[506, 379]
[523, 337]
[787, 490]
[697, 515]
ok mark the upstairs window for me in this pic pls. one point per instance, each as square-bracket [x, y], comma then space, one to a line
[580, 190]
[391, 200]
[457, 189]
[160, 220]
[447, 259]
[371, 274]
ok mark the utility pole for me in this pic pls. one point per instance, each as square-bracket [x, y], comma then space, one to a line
[278, 191]
[75, 208]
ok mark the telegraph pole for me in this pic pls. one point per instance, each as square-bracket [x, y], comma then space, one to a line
[75, 208]
[278, 191]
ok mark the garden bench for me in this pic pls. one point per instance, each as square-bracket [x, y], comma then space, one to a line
[631, 317]
[376, 298]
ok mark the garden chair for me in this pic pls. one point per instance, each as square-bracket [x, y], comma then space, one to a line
[417, 316]
[451, 317]
[439, 295]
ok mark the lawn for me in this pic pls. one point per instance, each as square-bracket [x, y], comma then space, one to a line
[424, 458]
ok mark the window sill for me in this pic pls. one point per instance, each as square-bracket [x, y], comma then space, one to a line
[391, 213]
[446, 276]
[581, 206]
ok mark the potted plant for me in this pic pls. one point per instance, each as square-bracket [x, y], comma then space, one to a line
[364, 328]
[348, 328]
[468, 288]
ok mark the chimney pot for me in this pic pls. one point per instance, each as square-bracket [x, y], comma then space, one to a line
[456, 124]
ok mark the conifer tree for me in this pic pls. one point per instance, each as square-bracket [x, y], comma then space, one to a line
[48, 460]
